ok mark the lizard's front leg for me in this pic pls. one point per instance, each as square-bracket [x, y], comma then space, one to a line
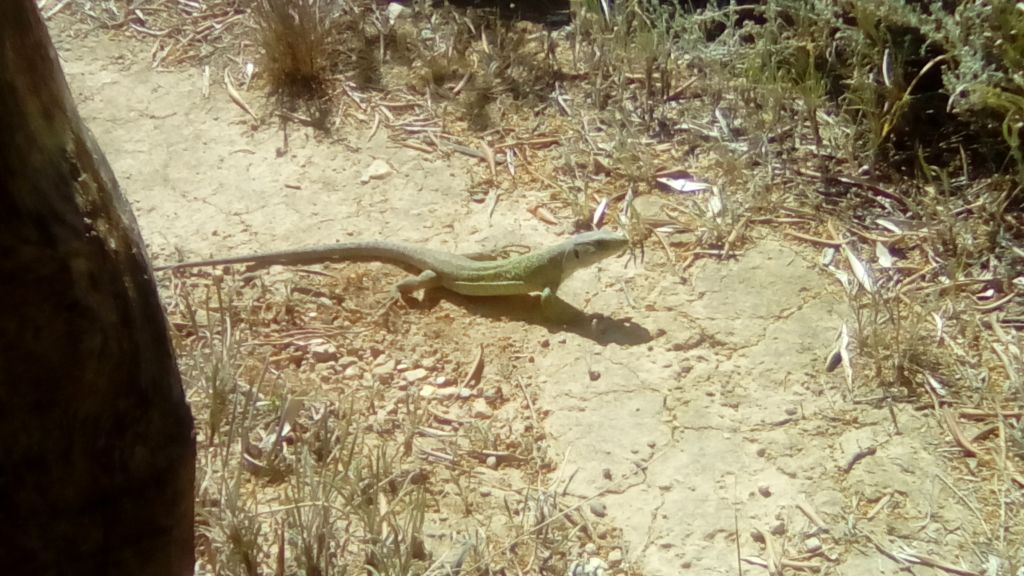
[555, 309]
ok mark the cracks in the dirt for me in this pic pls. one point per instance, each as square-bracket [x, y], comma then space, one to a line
[639, 379]
[223, 213]
[653, 524]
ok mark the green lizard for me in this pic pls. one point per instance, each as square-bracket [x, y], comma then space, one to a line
[540, 271]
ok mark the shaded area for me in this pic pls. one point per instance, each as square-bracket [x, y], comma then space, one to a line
[97, 468]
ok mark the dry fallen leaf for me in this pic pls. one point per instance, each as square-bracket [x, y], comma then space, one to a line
[859, 270]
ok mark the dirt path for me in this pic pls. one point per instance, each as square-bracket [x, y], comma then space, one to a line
[703, 413]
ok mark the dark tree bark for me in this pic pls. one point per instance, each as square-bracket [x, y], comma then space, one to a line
[97, 456]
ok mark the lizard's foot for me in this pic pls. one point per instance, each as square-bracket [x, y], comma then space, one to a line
[384, 308]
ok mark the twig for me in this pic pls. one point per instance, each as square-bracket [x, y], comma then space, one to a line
[857, 457]
[416, 146]
[823, 241]
[236, 97]
[803, 566]
[53, 11]
[473, 377]
[958, 434]
[812, 516]
[914, 558]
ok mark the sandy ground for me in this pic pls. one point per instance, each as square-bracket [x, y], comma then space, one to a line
[700, 414]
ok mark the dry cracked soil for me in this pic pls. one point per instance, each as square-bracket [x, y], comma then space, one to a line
[700, 420]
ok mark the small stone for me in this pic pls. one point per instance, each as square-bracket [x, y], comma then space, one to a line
[598, 508]
[812, 544]
[615, 558]
[606, 473]
[779, 529]
[386, 367]
[791, 411]
[427, 391]
[761, 451]
[377, 170]
[492, 462]
[485, 492]
[481, 410]
[441, 381]
[323, 352]
[764, 490]
[347, 361]
[590, 548]
[415, 375]
[594, 375]
[591, 566]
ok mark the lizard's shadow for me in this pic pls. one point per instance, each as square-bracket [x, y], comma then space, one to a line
[599, 328]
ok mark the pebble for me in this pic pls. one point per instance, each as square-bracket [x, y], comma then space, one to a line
[764, 490]
[377, 170]
[592, 566]
[449, 393]
[323, 352]
[615, 557]
[386, 367]
[779, 529]
[812, 544]
[481, 410]
[598, 508]
[415, 375]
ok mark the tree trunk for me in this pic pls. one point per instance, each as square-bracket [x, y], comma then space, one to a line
[97, 455]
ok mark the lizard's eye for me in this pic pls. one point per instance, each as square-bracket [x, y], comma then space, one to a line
[576, 253]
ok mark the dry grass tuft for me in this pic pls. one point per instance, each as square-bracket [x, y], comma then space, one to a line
[294, 39]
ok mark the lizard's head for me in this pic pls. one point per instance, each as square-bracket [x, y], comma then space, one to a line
[590, 247]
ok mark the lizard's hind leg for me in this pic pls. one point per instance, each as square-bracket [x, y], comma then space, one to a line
[426, 280]
[402, 292]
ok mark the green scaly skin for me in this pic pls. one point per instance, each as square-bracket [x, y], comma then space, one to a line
[540, 271]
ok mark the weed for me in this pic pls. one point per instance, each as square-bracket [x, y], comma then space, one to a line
[294, 37]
